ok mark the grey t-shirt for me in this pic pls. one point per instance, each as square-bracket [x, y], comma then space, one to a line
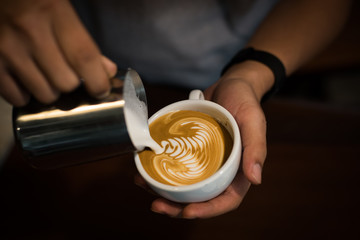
[178, 42]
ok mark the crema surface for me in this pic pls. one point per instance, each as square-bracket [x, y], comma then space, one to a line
[194, 146]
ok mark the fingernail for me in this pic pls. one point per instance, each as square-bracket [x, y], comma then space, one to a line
[256, 172]
[159, 211]
[104, 95]
[156, 211]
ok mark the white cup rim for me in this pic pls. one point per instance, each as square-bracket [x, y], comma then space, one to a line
[228, 163]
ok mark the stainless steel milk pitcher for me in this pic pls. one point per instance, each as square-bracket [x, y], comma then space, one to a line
[77, 128]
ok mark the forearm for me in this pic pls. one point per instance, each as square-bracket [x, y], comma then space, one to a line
[294, 31]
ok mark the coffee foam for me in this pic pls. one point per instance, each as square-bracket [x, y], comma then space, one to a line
[193, 148]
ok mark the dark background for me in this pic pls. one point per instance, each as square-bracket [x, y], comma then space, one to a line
[310, 186]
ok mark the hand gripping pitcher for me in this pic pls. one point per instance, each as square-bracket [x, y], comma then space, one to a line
[78, 128]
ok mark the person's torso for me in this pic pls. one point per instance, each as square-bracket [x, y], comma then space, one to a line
[179, 42]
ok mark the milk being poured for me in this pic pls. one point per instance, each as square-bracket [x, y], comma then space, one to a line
[136, 117]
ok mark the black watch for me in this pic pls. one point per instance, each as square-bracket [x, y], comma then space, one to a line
[268, 59]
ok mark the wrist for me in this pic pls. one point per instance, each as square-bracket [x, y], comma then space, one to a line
[269, 60]
[257, 75]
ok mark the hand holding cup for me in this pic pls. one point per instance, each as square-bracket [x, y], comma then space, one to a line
[193, 160]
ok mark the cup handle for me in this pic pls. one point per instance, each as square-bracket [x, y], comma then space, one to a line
[196, 95]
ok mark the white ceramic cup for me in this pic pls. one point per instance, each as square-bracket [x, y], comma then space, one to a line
[220, 180]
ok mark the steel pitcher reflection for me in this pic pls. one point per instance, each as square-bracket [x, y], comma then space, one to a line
[78, 128]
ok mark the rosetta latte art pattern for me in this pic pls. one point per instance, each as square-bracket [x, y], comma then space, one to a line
[193, 148]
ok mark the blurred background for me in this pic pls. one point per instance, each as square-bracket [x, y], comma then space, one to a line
[310, 185]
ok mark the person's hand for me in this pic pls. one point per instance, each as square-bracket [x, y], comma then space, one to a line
[239, 91]
[45, 50]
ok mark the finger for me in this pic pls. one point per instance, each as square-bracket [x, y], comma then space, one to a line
[51, 61]
[167, 207]
[110, 66]
[35, 82]
[23, 67]
[80, 50]
[228, 201]
[140, 181]
[10, 90]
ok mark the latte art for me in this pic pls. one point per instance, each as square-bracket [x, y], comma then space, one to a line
[194, 147]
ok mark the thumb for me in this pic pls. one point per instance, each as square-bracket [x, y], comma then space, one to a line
[253, 131]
